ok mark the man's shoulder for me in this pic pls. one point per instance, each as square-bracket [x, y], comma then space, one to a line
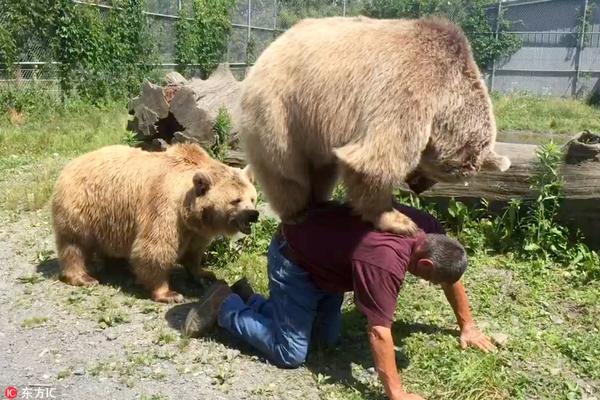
[384, 250]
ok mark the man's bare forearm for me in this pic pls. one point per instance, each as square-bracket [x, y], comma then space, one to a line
[382, 347]
[457, 297]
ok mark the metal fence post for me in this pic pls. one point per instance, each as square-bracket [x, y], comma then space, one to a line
[275, 12]
[248, 33]
[344, 8]
[580, 46]
[493, 77]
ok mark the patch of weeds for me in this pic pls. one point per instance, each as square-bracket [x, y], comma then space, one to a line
[44, 256]
[222, 135]
[131, 139]
[183, 343]
[31, 279]
[223, 374]
[65, 373]
[150, 309]
[154, 397]
[112, 318]
[165, 338]
[33, 322]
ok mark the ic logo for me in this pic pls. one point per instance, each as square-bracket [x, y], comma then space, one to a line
[11, 392]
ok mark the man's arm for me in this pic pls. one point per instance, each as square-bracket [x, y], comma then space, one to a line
[470, 335]
[382, 347]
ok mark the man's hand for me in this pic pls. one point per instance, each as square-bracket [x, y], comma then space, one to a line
[473, 337]
[469, 334]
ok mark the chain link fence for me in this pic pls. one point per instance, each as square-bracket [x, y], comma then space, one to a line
[560, 54]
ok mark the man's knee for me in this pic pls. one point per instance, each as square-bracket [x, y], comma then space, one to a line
[286, 358]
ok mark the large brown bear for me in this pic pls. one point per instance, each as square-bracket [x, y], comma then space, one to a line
[154, 209]
[379, 101]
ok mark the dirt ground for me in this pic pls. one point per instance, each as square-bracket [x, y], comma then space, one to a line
[110, 341]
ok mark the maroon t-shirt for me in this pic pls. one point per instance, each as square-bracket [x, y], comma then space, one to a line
[342, 253]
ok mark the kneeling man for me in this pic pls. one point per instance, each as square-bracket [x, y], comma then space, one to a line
[311, 264]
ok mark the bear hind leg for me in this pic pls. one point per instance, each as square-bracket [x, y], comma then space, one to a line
[288, 197]
[74, 260]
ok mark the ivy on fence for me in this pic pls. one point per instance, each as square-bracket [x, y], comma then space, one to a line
[105, 52]
[202, 35]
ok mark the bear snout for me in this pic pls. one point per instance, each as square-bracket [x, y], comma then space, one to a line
[246, 218]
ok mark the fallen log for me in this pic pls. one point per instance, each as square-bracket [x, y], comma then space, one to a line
[580, 171]
[183, 110]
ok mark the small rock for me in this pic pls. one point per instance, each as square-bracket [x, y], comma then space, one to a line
[110, 335]
[45, 377]
[499, 338]
[79, 371]
[557, 320]
[371, 370]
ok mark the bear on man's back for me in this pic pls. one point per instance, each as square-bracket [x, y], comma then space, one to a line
[379, 102]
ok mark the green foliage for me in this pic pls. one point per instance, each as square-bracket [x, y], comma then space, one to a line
[26, 24]
[470, 15]
[224, 251]
[528, 228]
[103, 54]
[202, 33]
[222, 130]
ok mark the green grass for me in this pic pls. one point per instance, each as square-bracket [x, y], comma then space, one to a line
[34, 322]
[34, 150]
[545, 114]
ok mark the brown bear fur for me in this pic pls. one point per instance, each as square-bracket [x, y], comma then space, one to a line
[154, 209]
[377, 101]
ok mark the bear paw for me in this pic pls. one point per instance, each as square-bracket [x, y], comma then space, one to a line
[395, 222]
[170, 296]
[79, 280]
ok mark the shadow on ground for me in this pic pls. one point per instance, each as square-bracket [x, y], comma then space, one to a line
[338, 363]
[116, 273]
[354, 349]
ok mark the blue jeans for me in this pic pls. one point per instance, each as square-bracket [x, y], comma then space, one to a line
[281, 327]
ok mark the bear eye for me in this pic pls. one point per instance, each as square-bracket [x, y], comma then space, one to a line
[236, 201]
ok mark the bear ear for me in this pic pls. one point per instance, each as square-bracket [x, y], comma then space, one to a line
[495, 162]
[202, 183]
[249, 173]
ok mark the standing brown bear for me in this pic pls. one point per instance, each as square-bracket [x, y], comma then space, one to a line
[378, 101]
[154, 209]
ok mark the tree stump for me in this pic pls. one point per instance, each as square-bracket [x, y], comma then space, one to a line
[184, 110]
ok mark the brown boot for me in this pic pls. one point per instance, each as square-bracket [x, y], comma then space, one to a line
[203, 315]
[243, 289]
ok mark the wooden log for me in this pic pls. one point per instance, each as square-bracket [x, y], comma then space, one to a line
[581, 173]
[184, 110]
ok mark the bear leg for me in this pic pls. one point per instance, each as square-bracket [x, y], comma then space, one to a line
[154, 276]
[373, 202]
[73, 259]
[288, 196]
[192, 262]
